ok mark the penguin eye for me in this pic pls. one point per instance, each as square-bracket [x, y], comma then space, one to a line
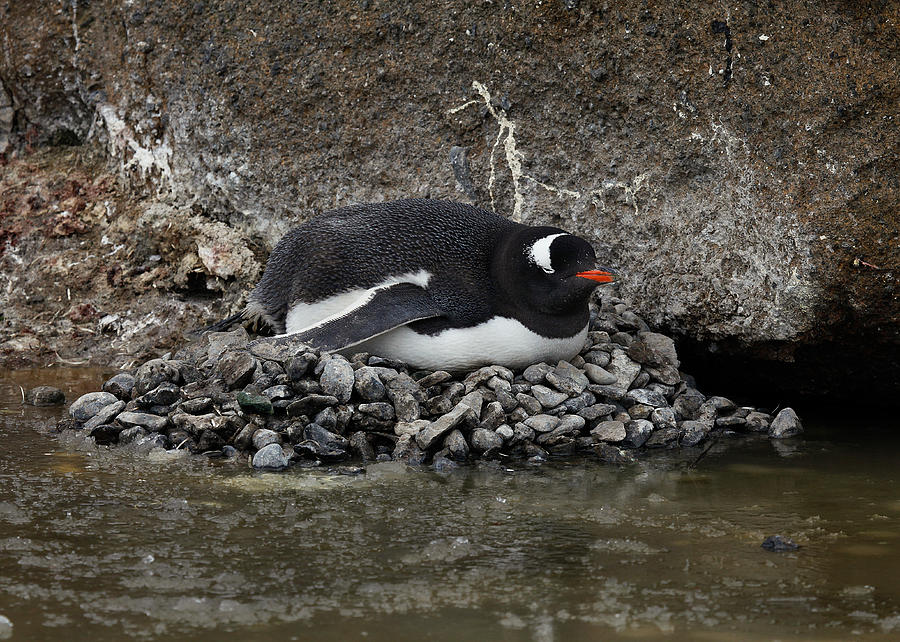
[538, 252]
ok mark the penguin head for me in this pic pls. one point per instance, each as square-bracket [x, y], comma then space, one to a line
[557, 271]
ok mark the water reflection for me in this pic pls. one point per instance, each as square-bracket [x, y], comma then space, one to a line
[134, 544]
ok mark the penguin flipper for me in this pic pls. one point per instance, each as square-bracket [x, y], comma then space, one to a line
[378, 311]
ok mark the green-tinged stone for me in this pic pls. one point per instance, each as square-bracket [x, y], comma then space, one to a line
[254, 403]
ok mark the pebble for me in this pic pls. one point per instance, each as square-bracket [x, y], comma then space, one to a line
[531, 405]
[598, 375]
[596, 411]
[785, 424]
[624, 370]
[104, 434]
[535, 373]
[236, 368]
[542, 423]
[338, 379]
[613, 455]
[687, 404]
[310, 405]
[361, 447]
[106, 415]
[271, 457]
[637, 432]
[165, 394]
[429, 435]
[379, 410]
[120, 385]
[88, 405]
[646, 397]
[263, 437]
[258, 404]
[45, 396]
[130, 435]
[456, 444]
[153, 423]
[198, 406]
[484, 441]
[152, 373]
[694, 432]
[653, 349]
[758, 421]
[297, 366]
[609, 431]
[548, 398]
[779, 544]
[505, 432]
[664, 438]
[408, 451]
[567, 378]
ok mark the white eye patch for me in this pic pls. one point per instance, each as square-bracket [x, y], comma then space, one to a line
[539, 253]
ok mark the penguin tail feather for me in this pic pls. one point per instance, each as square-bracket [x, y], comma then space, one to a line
[225, 324]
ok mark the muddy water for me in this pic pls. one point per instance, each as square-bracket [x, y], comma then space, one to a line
[99, 545]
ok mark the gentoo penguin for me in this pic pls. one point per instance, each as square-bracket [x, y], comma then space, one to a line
[436, 284]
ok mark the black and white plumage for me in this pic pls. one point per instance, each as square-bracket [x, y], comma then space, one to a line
[436, 284]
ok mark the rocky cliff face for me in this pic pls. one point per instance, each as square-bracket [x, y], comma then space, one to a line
[739, 167]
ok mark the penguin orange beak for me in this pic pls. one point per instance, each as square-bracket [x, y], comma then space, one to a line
[600, 276]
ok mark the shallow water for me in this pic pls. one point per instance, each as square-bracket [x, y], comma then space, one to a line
[104, 545]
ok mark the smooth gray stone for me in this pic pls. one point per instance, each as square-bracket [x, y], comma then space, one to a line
[272, 457]
[542, 423]
[153, 423]
[87, 406]
[106, 415]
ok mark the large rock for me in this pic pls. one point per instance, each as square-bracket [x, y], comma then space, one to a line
[746, 189]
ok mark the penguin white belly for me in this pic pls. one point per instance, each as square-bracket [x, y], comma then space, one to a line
[500, 340]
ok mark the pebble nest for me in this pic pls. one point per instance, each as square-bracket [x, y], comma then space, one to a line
[276, 402]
